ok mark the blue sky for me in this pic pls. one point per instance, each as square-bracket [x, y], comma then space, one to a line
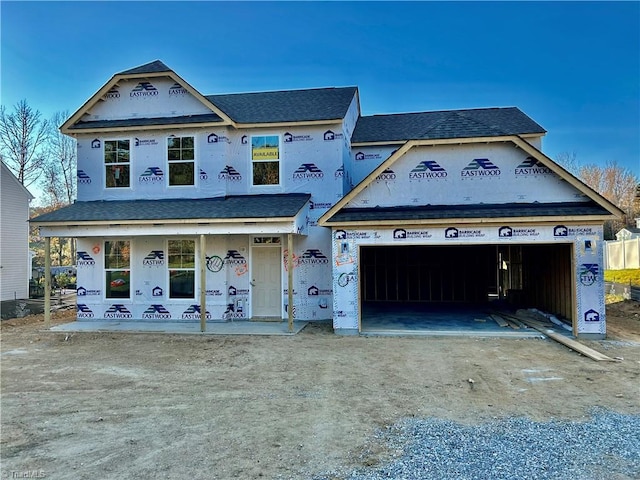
[573, 67]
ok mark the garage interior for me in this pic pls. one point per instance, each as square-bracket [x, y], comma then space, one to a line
[455, 288]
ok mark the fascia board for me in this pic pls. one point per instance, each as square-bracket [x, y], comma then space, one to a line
[365, 182]
[568, 177]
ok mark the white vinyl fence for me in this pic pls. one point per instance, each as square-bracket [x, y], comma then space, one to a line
[622, 254]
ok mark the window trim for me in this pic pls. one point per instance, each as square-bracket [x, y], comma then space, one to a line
[195, 269]
[105, 269]
[105, 164]
[196, 169]
[280, 183]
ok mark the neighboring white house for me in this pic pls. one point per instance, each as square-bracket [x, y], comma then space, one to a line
[628, 233]
[292, 204]
[15, 261]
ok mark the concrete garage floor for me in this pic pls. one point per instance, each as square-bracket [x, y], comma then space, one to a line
[387, 318]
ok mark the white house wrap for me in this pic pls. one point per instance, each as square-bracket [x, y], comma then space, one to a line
[367, 202]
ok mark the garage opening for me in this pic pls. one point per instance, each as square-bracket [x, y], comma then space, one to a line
[455, 287]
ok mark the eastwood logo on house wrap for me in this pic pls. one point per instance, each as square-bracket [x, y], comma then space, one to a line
[84, 311]
[112, 93]
[564, 231]
[83, 177]
[230, 174]
[588, 273]
[427, 169]
[401, 234]
[388, 174]
[151, 175]
[144, 142]
[308, 171]
[453, 232]
[234, 258]
[177, 89]
[203, 175]
[95, 143]
[144, 89]
[117, 310]
[83, 292]
[156, 312]
[339, 172]
[193, 313]
[591, 316]
[154, 258]
[480, 167]
[508, 232]
[532, 166]
[213, 138]
[288, 138]
[313, 256]
[367, 156]
[313, 291]
[84, 259]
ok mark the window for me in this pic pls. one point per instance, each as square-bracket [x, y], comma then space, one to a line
[182, 268]
[181, 158]
[265, 158]
[117, 269]
[116, 163]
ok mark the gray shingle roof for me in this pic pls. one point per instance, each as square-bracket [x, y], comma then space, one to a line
[286, 106]
[438, 212]
[471, 123]
[151, 67]
[140, 122]
[231, 207]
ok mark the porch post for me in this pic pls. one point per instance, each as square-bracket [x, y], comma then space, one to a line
[47, 282]
[203, 285]
[290, 279]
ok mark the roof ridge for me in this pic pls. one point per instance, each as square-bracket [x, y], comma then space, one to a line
[151, 67]
[261, 92]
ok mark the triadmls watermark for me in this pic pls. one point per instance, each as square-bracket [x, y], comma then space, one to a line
[27, 474]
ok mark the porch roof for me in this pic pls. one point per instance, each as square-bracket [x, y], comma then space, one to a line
[232, 208]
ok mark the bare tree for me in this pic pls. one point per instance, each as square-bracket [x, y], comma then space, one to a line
[23, 137]
[569, 161]
[58, 179]
[618, 185]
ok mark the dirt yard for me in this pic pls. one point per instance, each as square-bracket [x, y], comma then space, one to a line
[112, 405]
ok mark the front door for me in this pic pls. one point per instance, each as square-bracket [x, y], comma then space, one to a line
[266, 283]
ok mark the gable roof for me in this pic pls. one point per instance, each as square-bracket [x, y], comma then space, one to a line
[153, 69]
[483, 122]
[286, 106]
[235, 207]
[608, 209]
[318, 105]
[7, 173]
